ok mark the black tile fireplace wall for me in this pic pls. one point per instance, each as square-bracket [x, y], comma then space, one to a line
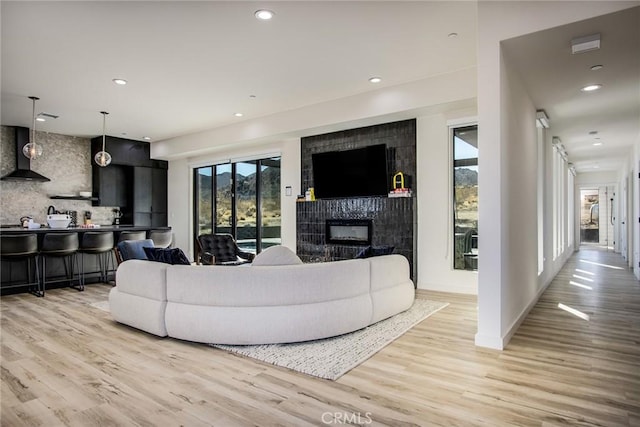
[394, 219]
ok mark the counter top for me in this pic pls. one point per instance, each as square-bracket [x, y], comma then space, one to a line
[114, 228]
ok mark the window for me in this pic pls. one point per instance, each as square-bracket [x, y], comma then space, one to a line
[244, 200]
[465, 197]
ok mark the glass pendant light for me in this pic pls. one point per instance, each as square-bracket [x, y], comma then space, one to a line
[103, 158]
[31, 149]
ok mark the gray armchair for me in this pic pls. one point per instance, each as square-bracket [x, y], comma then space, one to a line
[220, 249]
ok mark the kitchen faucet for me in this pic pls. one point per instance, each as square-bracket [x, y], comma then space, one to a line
[51, 210]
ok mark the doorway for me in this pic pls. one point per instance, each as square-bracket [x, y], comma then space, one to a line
[589, 216]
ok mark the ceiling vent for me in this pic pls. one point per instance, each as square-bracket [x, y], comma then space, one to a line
[585, 44]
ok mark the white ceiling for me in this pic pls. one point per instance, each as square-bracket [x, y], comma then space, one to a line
[192, 65]
[554, 77]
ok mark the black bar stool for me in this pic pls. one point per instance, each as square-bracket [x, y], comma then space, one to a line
[132, 235]
[100, 244]
[161, 238]
[60, 245]
[23, 247]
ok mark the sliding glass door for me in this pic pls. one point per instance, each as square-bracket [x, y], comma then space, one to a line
[223, 196]
[244, 199]
[204, 203]
[246, 178]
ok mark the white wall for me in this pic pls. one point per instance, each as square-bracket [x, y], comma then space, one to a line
[181, 187]
[435, 211]
[443, 96]
[409, 100]
[507, 280]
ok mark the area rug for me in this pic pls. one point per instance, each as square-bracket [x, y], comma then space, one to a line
[333, 357]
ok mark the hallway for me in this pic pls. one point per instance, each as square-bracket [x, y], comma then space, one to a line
[584, 333]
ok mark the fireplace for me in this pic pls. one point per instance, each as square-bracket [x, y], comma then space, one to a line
[348, 231]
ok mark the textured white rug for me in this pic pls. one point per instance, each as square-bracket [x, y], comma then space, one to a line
[333, 357]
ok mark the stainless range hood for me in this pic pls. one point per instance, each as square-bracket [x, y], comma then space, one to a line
[23, 170]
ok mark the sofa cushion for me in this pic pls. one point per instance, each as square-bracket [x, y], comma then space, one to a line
[132, 249]
[371, 251]
[168, 256]
[276, 255]
[143, 278]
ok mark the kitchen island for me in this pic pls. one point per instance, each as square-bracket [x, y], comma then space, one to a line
[14, 276]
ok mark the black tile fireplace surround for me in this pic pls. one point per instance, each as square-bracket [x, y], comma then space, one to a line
[392, 220]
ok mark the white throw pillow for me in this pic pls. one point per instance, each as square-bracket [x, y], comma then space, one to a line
[276, 255]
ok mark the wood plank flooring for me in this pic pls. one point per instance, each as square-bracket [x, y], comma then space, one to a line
[66, 363]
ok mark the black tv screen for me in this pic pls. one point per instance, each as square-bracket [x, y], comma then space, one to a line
[351, 173]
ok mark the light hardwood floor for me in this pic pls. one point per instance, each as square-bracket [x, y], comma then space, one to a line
[67, 363]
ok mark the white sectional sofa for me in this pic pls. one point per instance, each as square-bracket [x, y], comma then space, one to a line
[260, 304]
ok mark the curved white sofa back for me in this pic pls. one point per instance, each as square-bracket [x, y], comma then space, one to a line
[265, 304]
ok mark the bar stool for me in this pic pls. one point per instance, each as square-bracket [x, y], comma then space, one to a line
[161, 238]
[22, 247]
[132, 235]
[100, 244]
[60, 245]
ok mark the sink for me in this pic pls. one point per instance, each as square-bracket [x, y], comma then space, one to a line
[58, 220]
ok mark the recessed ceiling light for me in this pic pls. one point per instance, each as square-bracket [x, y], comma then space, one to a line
[452, 35]
[375, 80]
[591, 88]
[41, 119]
[146, 138]
[252, 96]
[264, 14]
[121, 82]
[593, 132]
[596, 67]
[238, 114]
[597, 143]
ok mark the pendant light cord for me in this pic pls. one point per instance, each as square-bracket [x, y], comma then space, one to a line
[104, 127]
[33, 128]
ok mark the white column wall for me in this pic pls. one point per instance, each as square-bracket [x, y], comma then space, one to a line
[435, 228]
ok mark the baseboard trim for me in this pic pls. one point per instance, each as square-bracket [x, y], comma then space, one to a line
[492, 342]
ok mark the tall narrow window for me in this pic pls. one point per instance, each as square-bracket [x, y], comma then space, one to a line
[465, 197]
[204, 201]
[570, 208]
[241, 199]
[540, 198]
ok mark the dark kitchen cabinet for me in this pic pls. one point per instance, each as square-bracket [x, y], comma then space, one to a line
[150, 196]
[133, 181]
[110, 186]
[123, 151]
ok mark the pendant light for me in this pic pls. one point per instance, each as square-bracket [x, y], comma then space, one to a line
[32, 150]
[103, 158]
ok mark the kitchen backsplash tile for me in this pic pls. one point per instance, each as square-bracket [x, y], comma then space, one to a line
[66, 161]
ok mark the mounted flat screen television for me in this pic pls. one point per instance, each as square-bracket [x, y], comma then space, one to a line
[351, 173]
